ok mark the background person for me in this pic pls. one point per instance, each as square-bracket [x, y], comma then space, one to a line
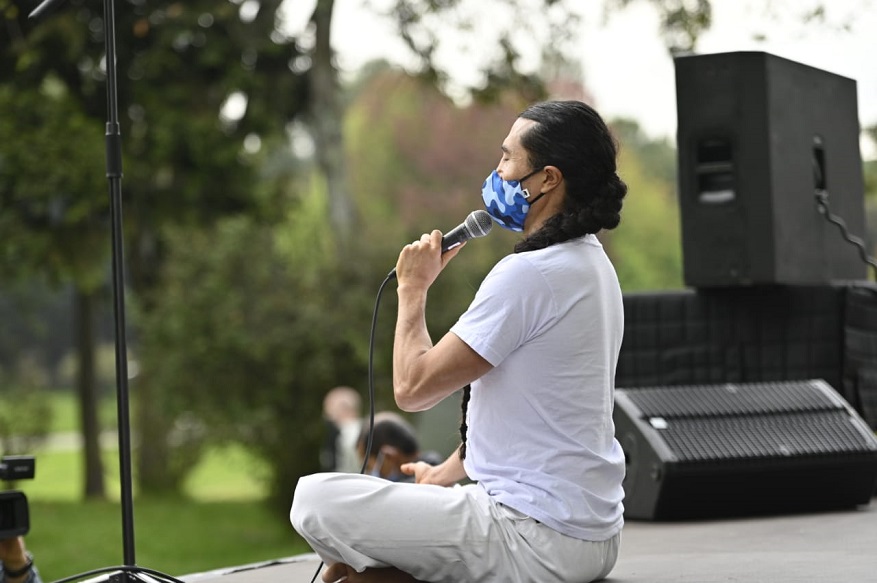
[539, 346]
[341, 410]
[394, 443]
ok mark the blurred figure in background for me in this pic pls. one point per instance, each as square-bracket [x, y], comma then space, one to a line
[341, 411]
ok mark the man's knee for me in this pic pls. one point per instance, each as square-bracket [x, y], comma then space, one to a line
[305, 500]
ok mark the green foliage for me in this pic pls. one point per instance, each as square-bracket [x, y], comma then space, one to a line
[656, 158]
[646, 248]
[434, 156]
[105, 368]
[870, 169]
[189, 158]
[64, 413]
[254, 324]
[25, 414]
[53, 204]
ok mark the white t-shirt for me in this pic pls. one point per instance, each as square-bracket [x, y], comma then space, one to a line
[541, 438]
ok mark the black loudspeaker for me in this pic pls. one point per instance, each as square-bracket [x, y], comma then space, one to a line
[716, 451]
[757, 136]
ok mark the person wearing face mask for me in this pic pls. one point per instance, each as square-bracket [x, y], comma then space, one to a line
[394, 444]
[534, 357]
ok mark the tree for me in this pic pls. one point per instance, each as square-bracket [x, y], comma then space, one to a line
[273, 323]
[51, 221]
[871, 166]
[190, 155]
[647, 247]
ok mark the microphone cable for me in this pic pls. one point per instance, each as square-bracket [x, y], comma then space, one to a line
[824, 209]
[371, 384]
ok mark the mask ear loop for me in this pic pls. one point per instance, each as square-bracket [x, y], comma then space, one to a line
[526, 191]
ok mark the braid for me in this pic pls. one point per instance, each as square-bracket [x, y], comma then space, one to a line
[464, 428]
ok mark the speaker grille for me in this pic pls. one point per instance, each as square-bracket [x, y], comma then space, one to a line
[769, 436]
[734, 399]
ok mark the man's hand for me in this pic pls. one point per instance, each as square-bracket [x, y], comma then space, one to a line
[447, 473]
[423, 472]
[420, 262]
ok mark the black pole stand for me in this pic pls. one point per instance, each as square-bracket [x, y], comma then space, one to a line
[129, 571]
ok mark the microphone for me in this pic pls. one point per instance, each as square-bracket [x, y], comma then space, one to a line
[477, 224]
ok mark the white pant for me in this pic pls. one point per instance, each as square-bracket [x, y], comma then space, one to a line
[453, 535]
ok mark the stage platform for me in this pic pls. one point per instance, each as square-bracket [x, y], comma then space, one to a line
[800, 548]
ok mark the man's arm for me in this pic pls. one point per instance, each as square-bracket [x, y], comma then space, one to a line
[424, 374]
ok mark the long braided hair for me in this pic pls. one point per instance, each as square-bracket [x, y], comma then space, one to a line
[571, 136]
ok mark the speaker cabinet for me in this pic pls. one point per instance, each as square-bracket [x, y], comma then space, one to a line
[713, 451]
[757, 136]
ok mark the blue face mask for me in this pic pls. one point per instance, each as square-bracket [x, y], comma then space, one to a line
[507, 201]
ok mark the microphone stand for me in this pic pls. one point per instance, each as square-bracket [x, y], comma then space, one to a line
[128, 572]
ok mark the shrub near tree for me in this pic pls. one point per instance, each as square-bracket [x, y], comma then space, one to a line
[255, 324]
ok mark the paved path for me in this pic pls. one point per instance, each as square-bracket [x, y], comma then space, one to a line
[72, 440]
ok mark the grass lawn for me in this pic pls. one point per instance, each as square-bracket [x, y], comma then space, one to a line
[221, 520]
[65, 411]
[176, 537]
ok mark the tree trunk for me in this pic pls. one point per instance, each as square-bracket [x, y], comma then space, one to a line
[150, 421]
[326, 125]
[153, 454]
[86, 388]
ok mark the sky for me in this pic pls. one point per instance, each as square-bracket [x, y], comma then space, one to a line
[626, 66]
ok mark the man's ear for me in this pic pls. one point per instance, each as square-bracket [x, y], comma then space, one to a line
[553, 177]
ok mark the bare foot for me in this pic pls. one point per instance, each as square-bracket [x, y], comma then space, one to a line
[335, 573]
[341, 572]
